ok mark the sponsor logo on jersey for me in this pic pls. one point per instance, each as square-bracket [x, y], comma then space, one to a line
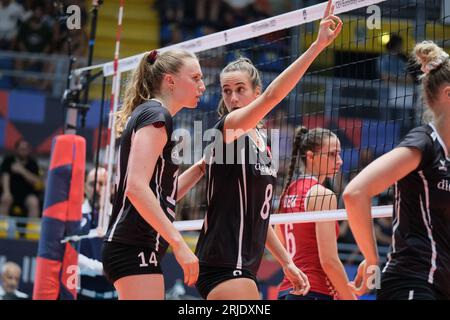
[444, 185]
[290, 201]
[442, 167]
[266, 170]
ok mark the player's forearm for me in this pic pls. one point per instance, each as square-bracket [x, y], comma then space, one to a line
[278, 228]
[358, 206]
[145, 202]
[275, 247]
[189, 178]
[336, 273]
[248, 117]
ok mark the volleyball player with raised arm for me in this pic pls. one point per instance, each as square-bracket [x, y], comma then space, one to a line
[141, 226]
[418, 265]
[313, 246]
[239, 194]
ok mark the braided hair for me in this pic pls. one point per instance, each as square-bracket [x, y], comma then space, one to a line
[304, 140]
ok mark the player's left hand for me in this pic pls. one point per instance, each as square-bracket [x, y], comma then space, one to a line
[330, 26]
[298, 279]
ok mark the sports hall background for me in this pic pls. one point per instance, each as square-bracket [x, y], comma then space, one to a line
[350, 89]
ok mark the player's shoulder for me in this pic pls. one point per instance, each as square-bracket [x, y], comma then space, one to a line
[151, 107]
[320, 190]
[303, 182]
[424, 132]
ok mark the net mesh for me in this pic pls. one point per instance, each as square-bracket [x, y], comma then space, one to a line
[369, 97]
[365, 93]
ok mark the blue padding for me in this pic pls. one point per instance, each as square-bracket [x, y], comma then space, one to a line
[27, 107]
[6, 64]
[93, 116]
[52, 232]
[209, 102]
[73, 228]
[64, 294]
[270, 60]
[165, 33]
[380, 136]
[350, 158]
[58, 185]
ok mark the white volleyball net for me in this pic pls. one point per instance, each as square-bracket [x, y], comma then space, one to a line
[361, 87]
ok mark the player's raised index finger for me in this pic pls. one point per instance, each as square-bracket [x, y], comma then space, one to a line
[328, 8]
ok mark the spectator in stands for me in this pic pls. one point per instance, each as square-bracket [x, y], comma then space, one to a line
[258, 10]
[35, 36]
[78, 37]
[393, 64]
[21, 181]
[173, 35]
[11, 14]
[237, 13]
[170, 10]
[79, 44]
[279, 7]
[209, 15]
[172, 19]
[93, 284]
[10, 277]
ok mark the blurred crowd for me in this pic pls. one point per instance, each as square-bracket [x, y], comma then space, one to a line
[187, 19]
[38, 27]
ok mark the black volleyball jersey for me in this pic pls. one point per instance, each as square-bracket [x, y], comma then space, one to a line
[239, 197]
[421, 221]
[127, 225]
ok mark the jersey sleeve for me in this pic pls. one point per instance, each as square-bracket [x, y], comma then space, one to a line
[220, 123]
[419, 138]
[154, 116]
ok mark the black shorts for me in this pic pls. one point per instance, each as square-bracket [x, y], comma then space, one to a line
[121, 260]
[395, 287]
[209, 277]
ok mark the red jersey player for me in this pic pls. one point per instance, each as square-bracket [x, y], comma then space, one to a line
[313, 246]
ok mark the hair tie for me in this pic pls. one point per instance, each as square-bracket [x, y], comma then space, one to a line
[435, 63]
[151, 58]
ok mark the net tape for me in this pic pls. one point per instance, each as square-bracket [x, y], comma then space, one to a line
[248, 31]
